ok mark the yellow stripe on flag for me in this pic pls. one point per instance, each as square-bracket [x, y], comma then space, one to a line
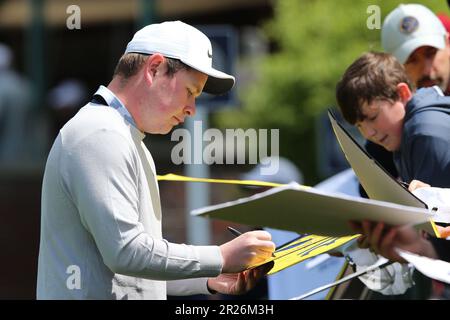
[175, 177]
[436, 231]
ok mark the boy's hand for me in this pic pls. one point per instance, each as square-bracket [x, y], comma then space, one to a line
[383, 240]
[416, 184]
[444, 232]
[363, 240]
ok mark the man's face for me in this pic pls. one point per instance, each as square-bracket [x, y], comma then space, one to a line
[382, 123]
[170, 99]
[428, 66]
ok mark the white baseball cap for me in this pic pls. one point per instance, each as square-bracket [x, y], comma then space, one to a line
[409, 27]
[178, 40]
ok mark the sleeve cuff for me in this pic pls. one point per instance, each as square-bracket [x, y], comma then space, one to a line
[210, 259]
[188, 287]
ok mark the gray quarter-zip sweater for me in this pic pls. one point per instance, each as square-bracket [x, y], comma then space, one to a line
[101, 218]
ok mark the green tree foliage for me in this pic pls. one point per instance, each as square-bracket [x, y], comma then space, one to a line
[315, 42]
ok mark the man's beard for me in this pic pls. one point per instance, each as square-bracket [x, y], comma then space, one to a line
[426, 82]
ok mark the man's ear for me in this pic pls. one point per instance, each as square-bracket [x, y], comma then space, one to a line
[404, 92]
[447, 44]
[153, 66]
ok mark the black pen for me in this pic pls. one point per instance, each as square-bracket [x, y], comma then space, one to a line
[234, 231]
[238, 233]
[406, 185]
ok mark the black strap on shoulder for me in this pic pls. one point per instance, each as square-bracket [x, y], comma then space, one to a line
[98, 99]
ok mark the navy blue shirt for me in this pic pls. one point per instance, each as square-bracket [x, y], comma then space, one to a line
[424, 153]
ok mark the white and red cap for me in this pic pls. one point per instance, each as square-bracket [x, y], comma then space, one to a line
[409, 27]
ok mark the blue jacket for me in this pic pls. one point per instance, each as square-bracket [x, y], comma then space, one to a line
[424, 153]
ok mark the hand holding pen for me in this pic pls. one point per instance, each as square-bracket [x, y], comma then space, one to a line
[234, 231]
[239, 256]
[237, 233]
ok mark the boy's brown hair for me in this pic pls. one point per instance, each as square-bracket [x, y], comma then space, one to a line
[373, 76]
